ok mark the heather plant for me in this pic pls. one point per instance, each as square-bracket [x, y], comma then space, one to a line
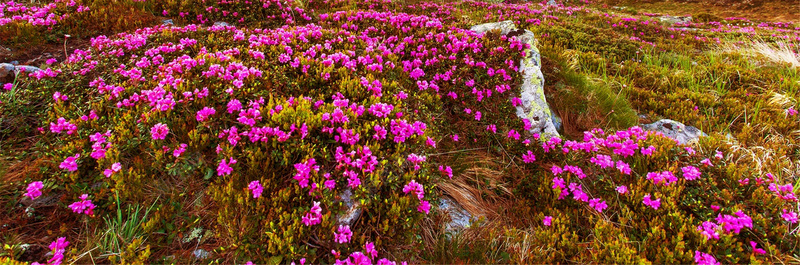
[252, 141]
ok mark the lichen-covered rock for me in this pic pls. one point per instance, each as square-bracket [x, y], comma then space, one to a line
[534, 105]
[353, 209]
[675, 130]
[675, 19]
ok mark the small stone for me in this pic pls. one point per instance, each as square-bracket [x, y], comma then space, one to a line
[167, 22]
[221, 24]
[675, 19]
[353, 209]
[675, 130]
[200, 253]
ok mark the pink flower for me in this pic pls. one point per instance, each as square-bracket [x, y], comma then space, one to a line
[179, 151]
[470, 83]
[70, 163]
[256, 188]
[648, 151]
[598, 204]
[718, 155]
[57, 247]
[34, 190]
[556, 170]
[492, 128]
[85, 206]
[369, 248]
[623, 167]
[789, 216]
[416, 188]
[709, 230]
[529, 157]
[424, 207]
[8, 86]
[652, 203]
[116, 167]
[314, 216]
[344, 234]
[547, 220]
[622, 189]
[758, 251]
[225, 168]
[704, 259]
[690, 173]
[603, 161]
[791, 111]
[707, 162]
[203, 114]
[689, 150]
[159, 131]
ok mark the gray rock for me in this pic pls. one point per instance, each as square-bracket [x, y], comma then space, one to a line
[353, 209]
[200, 253]
[557, 122]
[221, 24]
[552, 3]
[675, 19]
[459, 218]
[167, 22]
[9, 70]
[675, 130]
[534, 105]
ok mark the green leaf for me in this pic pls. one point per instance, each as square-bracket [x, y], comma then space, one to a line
[274, 260]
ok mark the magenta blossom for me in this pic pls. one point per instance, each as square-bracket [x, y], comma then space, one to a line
[652, 203]
[416, 188]
[256, 188]
[159, 131]
[34, 190]
[690, 173]
[789, 216]
[70, 163]
[224, 168]
[622, 189]
[758, 251]
[85, 206]
[424, 207]
[344, 234]
[704, 259]
[547, 221]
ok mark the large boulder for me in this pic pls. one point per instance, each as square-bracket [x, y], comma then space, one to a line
[534, 105]
[675, 130]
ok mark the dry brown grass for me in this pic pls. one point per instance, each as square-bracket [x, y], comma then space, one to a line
[776, 53]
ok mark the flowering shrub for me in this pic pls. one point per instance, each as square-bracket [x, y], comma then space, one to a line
[268, 136]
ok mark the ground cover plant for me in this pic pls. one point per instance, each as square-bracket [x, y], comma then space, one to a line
[252, 140]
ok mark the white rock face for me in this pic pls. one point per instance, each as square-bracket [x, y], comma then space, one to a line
[534, 104]
[675, 130]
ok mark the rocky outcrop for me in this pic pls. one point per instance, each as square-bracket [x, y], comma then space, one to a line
[534, 105]
[675, 130]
